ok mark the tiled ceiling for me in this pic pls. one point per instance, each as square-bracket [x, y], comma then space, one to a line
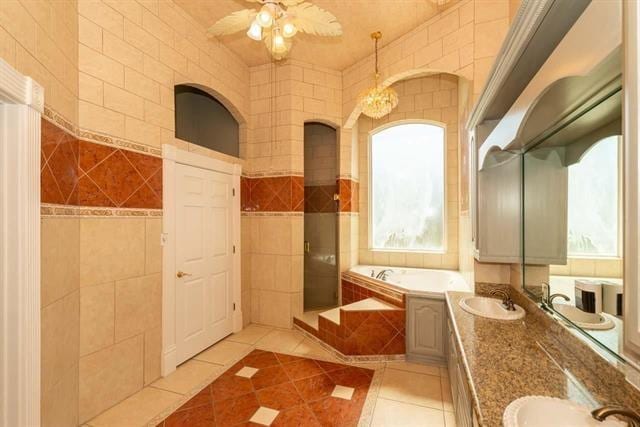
[359, 18]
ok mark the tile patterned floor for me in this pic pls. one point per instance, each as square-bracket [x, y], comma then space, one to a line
[275, 389]
[400, 394]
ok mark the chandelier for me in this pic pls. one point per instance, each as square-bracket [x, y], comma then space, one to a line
[378, 101]
[277, 22]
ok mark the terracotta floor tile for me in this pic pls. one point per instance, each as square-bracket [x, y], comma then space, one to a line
[300, 369]
[315, 388]
[298, 416]
[230, 386]
[329, 366]
[268, 377]
[236, 410]
[202, 398]
[287, 358]
[260, 359]
[336, 412]
[281, 396]
[352, 377]
[300, 388]
[200, 416]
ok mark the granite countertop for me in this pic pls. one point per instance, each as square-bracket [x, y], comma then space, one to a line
[507, 360]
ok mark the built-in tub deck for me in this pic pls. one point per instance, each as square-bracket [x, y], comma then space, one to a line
[372, 318]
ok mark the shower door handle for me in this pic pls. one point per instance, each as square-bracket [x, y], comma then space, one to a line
[307, 247]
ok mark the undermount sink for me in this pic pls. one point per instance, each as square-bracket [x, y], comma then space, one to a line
[491, 308]
[541, 411]
[592, 321]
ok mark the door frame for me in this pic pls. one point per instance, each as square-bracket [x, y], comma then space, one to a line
[22, 102]
[171, 156]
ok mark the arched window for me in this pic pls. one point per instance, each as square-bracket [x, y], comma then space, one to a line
[202, 120]
[594, 221]
[407, 188]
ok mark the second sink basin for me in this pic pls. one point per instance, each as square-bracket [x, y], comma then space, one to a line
[491, 308]
[541, 411]
[592, 321]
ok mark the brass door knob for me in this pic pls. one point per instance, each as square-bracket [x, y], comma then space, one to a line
[182, 274]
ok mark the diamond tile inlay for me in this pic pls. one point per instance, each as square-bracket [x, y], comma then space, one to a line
[246, 372]
[328, 394]
[264, 416]
[343, 392]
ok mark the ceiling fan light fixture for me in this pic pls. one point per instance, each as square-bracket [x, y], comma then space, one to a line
[265, 16]
[289, 29]
[279, 45]
[255, 31]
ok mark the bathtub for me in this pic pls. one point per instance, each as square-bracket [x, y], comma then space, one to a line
[416, 281]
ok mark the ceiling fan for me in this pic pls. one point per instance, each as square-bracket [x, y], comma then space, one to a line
[277, 21]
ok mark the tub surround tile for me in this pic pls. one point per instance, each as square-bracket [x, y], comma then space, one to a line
[567, 368]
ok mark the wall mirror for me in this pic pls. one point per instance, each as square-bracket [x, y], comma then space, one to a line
[572, 206]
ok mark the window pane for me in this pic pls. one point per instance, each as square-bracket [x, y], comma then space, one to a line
[593, 201]
[407, 188]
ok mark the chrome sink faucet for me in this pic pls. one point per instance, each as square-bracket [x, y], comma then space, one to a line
[601, 414]
[507, 302]
[383, 274]
[549, 297]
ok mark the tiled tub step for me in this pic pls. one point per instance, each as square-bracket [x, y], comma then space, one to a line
[366, 327]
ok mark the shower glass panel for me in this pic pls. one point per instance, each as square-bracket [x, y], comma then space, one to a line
[320, 217]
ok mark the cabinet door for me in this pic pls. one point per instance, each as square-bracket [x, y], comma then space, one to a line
[425, 334]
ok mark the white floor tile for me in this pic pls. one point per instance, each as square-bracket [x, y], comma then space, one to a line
[410, 387]
[138, 409]
[284, 340]
[250, 335]
[224, 352]
[415, 367]
[310, 348]
[449, 419]
[389, 413]
[188, 376]
[264, 416]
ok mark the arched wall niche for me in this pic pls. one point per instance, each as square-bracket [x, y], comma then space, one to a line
[355, 113]
[207, 118]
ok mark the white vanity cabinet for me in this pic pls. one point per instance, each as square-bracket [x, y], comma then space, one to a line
[462, 400]
[426, 329]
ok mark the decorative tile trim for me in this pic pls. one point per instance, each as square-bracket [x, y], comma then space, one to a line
[349, 214]
[272, 214]
[88, 211]
[62, 122]
[119, 143]
[272, 194]
[370, 288]
[272, 174]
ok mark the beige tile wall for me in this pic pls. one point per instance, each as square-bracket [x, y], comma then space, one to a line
[434, 98]
[40, 39]
[120, 309]
[132, 53]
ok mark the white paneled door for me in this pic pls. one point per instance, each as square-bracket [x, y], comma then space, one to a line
[204, 259]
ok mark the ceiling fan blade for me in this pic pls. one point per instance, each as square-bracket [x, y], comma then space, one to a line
[237, 21]
[311, 19]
